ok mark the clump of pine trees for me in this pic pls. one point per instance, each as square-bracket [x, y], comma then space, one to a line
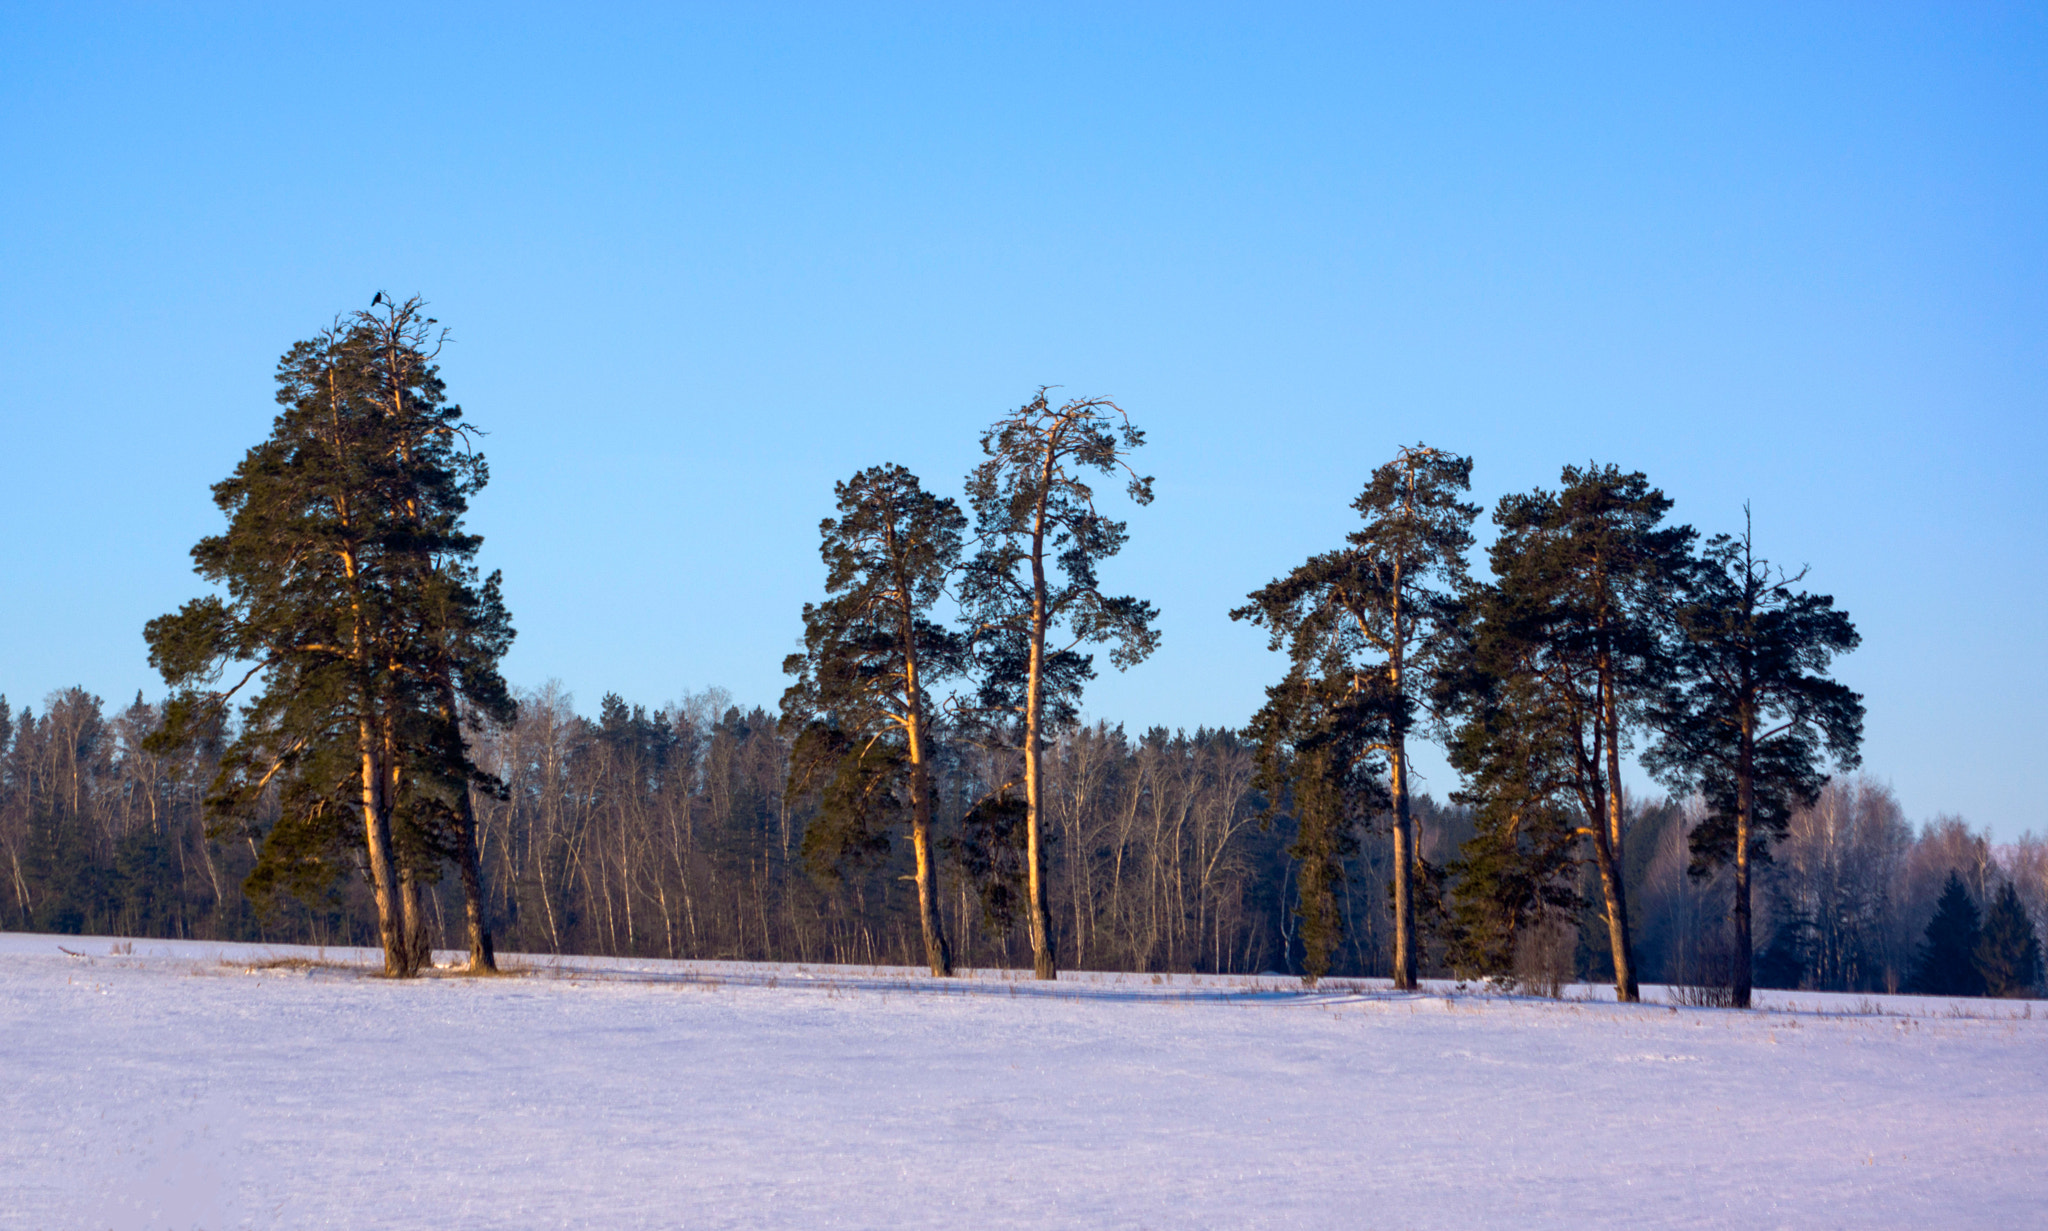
[1600, 629]
[338, 738]
[350, 629]
[1029, 597]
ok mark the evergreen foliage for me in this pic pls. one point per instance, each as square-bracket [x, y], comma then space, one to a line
[1751, 715]
[338, 732]
[1947, 958]
[1367, 630]
[1519, 869]
[2008, 952]
[352, 604]
[862, 698]
[1033, 578]
[1565, 651]
[1318, 763]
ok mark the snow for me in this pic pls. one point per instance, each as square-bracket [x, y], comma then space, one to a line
[199, 1085]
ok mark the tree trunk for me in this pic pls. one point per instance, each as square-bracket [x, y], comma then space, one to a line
[1404, 873]
[936, 954]
[412, 916]
[483, 957]
[1615, 894]
[377, 837]
[1042, 963]
[1742, 975]
[1404, 829]
[1612, 860]
[419, 946]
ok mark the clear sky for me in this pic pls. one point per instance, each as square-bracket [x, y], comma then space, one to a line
[701, 262]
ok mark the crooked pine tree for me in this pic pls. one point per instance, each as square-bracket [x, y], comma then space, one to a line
[351, 619]
[1031, 592]
[1366, 629]
[861, 706]
[1751, 716]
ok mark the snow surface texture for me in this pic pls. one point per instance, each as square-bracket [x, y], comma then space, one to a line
[203, 1085]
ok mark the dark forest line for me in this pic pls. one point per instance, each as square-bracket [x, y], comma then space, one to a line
[669, 833]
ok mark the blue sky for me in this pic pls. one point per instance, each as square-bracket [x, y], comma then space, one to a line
[701, 262]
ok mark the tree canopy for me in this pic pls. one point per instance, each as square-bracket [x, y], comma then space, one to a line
[1039, 539]
[862, 697]
[351, 607]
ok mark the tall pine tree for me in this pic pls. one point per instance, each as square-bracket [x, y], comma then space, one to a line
[1565, 651]
[458, 625]
[1751, 714]
[861, 705]
[351, 609]
[1033, 584]
[1366, 629]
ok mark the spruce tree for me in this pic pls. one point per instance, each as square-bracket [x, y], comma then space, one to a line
[1750, 714]
[861, 705]
[1946, 964]
[1783, 963]
[1032, 583]
[352, 612]
[1565, 652]
[2008, 951]
[1366, 629]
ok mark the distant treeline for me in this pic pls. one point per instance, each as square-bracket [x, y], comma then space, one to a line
[670, 834]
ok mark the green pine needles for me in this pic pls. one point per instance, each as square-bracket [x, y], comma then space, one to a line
[350, 638]
[861, 706]
[356, 628]
[1369, 630]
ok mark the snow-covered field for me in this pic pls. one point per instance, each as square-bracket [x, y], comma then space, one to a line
[186, 1084]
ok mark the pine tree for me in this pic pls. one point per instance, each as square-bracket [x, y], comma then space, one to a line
[458, 627]
[861, 706]
[1519, 868]
[1751, 715]
[2008, 953]
[1565, 652]
[1946, 964]
[1034, 579]
[351, 600]
[1318, 758]
[1366, 628]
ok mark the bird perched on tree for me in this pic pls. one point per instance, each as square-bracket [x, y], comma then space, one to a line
[376, 299]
